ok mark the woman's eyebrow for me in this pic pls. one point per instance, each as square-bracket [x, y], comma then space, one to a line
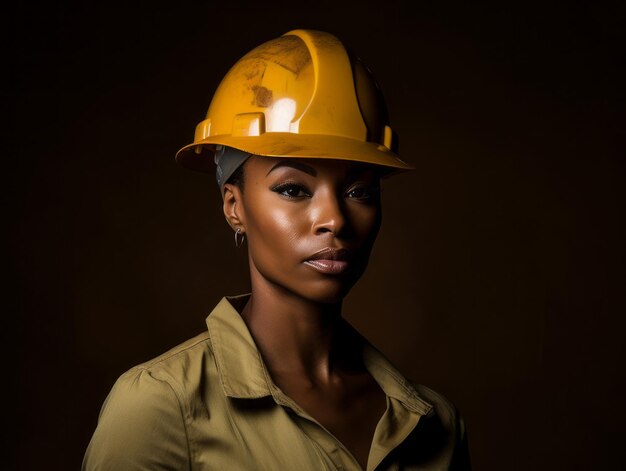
[294, 164]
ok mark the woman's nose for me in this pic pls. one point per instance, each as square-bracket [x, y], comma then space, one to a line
[329, 214]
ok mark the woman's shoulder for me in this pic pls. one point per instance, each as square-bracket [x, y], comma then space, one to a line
[167, 374]
[446, 423]
[182, 356]
[445, 409]
[151, 402]
[174, 373]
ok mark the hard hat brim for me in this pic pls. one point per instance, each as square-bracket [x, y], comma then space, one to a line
[198, 156]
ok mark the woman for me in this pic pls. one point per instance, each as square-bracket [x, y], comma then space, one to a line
[279, 380]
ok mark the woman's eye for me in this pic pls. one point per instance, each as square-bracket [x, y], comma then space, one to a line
[363, 193]
[291, 190]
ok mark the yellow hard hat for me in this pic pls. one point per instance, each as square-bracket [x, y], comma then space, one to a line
[299, 96]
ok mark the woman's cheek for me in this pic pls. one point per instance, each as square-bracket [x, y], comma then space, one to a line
[364, 221]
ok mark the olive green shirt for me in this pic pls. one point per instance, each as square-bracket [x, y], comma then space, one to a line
[210, 404]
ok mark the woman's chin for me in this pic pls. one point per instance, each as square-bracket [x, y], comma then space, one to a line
[327, 293]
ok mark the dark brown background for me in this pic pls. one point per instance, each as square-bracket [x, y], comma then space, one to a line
[498, 276]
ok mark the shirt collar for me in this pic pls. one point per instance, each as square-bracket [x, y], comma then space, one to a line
[244, 375]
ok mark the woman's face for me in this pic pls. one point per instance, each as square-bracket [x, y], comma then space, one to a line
[310, 223]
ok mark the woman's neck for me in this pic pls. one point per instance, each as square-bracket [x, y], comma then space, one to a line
[296, 336]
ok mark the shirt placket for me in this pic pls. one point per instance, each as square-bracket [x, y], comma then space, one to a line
[321, 438]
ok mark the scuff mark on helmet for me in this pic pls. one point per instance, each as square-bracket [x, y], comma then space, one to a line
[263, 96]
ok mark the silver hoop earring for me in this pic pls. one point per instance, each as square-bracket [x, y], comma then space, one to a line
[238, 241]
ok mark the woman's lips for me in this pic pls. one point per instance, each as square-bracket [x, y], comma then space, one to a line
[328, 267]
[330, 260]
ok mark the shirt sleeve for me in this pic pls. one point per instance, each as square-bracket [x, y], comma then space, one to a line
[141, 427]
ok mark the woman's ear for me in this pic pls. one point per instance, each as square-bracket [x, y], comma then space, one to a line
[233, 207]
